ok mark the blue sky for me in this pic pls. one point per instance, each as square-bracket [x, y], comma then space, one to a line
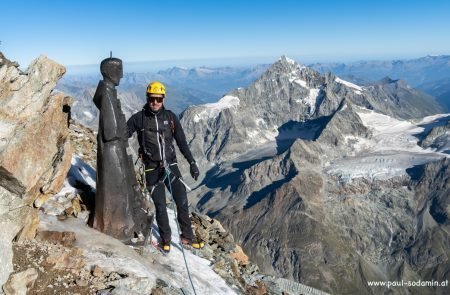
[83, 32]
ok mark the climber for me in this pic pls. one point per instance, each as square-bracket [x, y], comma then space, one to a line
[156, 128]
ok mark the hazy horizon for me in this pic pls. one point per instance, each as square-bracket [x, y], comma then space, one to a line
[155, 66]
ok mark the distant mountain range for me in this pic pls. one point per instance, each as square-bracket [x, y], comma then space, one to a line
[198, 85]
[430, 73]
[185, 87]
[213, 80]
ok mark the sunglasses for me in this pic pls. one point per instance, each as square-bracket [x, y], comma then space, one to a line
[155, 99]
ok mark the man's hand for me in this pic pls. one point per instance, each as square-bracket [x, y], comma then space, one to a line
[194, 171]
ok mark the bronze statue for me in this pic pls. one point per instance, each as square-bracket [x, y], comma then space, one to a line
[119, 205]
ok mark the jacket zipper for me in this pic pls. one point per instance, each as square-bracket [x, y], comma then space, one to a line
[157, 138]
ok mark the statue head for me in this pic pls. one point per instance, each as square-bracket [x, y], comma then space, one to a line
[112, 70]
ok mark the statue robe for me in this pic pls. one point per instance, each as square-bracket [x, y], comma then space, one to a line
[118, 203]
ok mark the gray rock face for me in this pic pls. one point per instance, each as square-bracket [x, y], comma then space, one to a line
[248, 117]
[309, 227]
[27, 108]
[35, 153]
[398, 99]
[438, 137]
[343, 122]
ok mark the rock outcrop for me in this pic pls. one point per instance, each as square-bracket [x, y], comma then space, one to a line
[34, 129]
[84, 143]
[437, 137]
[35, 154]
[396, 98]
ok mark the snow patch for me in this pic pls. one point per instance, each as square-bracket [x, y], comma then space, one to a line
[355, 87]
[261, 136]
[81, 172]
[378, 166]
[88, 114]
[212, 110]
[300, 82]
[252, 133]
[390, 151]
[294, 78]
[262, 133]
[289, 60]
[429, 119]
[260, 122]
[312, 99]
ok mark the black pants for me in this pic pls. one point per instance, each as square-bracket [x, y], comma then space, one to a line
[153, 178]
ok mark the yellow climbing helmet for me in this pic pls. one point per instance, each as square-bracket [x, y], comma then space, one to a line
[156, 88]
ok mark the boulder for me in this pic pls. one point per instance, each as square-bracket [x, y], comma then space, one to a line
[10, 224]
[67, 239]
[21, 282]
[35, 153]
[61, 259]
[29, 229]
[34, 129]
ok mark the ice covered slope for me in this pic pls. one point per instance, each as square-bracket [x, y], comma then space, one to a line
[391, 150]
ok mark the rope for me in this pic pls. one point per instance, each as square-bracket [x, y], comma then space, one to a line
[167, 175]
[178, 228]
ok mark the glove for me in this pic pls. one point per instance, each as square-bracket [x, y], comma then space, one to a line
[194, 171]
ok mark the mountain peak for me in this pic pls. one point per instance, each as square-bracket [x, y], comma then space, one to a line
[286, 59]
[387, 80]
[289, 62]
[174, 71]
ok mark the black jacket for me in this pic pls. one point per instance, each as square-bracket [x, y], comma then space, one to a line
[160, 129]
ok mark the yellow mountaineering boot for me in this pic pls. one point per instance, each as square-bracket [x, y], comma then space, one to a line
[165, 247]
[196, 244]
